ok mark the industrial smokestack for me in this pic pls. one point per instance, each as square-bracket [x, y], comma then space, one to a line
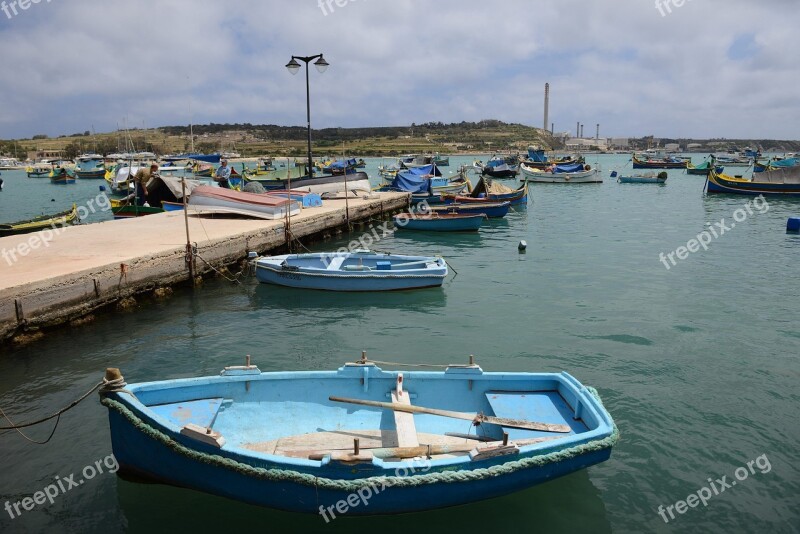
[581, 135]
[546, 105]
[578, 130]
[552, 128]
[597, 135]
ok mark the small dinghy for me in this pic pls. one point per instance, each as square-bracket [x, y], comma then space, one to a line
[439, 222]
[207, 199]
[383, 441]
[361, 270]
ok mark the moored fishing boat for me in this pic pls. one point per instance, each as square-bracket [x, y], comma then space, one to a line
[577, 173]
[784, 182]
[37, 172]
[439, 222]
[303, 441]
[703, 169]
[90, 166]
[648, 178]
[501, 167]
[42, 222]
[61, 176]
[361, 270]
[537, 159]
[493, 210]
[668, 162]
[488, 190]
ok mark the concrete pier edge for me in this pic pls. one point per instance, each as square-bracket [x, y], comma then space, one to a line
[31, 305]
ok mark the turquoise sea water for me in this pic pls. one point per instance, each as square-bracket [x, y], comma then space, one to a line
[698, 364]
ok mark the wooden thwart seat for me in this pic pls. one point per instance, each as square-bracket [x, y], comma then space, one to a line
[404, 422]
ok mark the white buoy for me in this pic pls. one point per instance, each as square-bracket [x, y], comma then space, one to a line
[522, 246]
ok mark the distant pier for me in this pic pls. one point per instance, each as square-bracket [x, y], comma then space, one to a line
[86, 268]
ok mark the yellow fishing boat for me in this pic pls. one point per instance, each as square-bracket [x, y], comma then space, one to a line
[41, 222]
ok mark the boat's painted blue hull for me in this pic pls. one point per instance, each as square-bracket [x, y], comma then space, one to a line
[147, 440]
[455, 224]
[492, 210]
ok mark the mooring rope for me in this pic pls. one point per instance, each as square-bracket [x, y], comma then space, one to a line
[108, 385]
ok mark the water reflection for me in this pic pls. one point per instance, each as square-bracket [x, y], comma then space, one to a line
[550, 507]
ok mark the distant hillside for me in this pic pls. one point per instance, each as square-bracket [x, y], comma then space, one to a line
[486, 136]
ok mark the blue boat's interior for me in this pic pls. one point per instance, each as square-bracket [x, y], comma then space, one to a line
[358, 262]
[283, 413]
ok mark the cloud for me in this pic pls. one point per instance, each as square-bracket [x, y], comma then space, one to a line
[704, 70]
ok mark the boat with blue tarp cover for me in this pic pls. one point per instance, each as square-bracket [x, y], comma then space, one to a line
[361, 270]
[303, 441]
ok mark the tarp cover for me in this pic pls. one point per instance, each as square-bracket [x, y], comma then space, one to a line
[411, 182]
[536, 155]
[425, 170]
[575, 167]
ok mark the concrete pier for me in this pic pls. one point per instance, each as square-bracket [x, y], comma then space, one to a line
[55, 276]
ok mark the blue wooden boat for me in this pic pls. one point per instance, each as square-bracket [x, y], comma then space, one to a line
[649, 178]
[61, 176]
[361, 270]
[439, 222]
[90, 166]
[493, 210]
[386, 442]
[488, 190]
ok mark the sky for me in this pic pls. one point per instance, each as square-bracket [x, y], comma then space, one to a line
[668, 68]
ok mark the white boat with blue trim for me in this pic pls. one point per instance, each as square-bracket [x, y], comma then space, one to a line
[360, 270]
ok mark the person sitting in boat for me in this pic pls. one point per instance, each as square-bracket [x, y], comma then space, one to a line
[223, 174]
[140, 180]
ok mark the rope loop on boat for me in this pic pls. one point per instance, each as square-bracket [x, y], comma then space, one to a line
[346, 485]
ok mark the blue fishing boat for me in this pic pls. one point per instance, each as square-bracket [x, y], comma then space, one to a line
[60, 175]
[647, 178]
[361, 270]
[90, 166]
[501, 167]
[439, 222]
[385, 442]
[488, 190]
[493, 210]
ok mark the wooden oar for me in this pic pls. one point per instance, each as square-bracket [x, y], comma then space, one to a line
[475, 418]
[407, 452]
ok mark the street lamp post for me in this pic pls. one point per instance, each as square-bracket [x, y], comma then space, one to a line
[293, 67]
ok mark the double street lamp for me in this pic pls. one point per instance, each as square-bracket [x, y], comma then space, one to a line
[293, 67]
